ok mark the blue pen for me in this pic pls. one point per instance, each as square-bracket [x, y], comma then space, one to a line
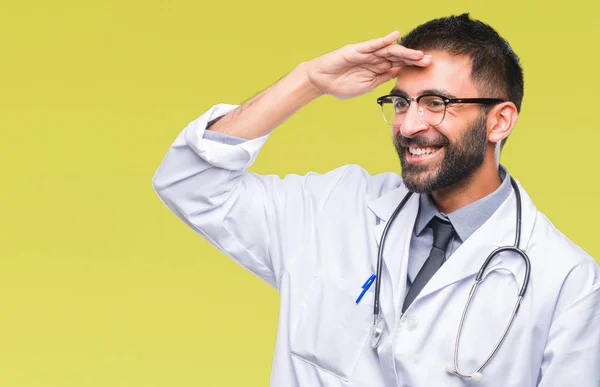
[366, 287]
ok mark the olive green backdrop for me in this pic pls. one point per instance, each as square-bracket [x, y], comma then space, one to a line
[100, 285]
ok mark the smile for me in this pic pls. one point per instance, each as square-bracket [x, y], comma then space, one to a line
[422, 152]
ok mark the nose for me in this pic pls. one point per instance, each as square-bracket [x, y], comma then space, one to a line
[412, 124]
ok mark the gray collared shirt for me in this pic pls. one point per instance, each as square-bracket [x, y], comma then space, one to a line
[466, 220]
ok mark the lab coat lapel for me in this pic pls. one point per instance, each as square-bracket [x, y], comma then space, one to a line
[498, 230]
[396, 248]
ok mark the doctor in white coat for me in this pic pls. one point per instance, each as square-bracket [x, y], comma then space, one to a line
[315, 238]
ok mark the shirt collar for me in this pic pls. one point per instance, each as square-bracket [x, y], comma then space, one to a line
[466, 220]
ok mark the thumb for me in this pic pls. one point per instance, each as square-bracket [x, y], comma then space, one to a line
[383, 78]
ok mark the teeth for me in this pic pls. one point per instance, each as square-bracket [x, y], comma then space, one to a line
[422, 151]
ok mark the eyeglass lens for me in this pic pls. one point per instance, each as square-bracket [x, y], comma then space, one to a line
[431, 109]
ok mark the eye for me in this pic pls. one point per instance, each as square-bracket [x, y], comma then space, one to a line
[400, 104]
[432, 103]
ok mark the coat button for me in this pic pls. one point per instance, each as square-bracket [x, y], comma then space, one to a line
[411, 323]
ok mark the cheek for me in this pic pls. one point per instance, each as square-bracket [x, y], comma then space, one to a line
[454, 127]
[461, 115]
[449, 130]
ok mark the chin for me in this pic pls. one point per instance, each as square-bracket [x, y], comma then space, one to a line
[420, 182]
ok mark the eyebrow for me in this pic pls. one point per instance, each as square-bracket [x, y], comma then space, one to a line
[441, 92]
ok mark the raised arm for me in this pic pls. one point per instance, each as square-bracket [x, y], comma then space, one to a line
[263, 222]
[348, 72]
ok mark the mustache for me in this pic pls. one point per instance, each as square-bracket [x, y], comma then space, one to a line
[421, 141]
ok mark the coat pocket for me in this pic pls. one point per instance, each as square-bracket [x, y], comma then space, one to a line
[332, 330]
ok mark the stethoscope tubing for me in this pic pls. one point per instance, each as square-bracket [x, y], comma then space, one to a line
[380, 255]
[515, 248]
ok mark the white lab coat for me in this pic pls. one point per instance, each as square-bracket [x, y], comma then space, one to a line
[315, 239]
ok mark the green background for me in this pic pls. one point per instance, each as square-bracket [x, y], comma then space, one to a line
[100, 285]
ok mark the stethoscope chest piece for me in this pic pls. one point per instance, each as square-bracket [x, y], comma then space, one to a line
[376, 333]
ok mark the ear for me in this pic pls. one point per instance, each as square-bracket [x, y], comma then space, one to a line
[501, 120]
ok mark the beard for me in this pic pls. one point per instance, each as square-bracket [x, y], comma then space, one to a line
[461, 159]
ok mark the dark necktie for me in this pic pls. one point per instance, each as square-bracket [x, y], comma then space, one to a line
[442, 233]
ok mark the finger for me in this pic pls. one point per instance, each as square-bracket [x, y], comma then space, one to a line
[377, 43]
[426, 61]
[397, 51]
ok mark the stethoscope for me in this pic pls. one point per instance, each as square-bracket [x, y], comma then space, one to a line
[377, 328]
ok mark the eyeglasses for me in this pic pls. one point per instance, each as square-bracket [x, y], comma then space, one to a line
[431, 107]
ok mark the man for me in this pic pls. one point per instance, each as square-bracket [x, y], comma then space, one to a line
[315, 238]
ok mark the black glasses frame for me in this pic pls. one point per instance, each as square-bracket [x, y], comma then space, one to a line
[447, 101]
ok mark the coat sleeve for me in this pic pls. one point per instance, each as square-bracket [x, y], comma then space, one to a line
[572, 354]
[260, 221]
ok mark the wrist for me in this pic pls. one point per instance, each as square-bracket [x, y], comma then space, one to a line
[305, 88]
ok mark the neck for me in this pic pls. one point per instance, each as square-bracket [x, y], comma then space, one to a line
[481, 183]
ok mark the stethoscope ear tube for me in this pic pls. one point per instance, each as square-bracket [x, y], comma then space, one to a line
[515, 249]
[376, 323]
[517, 246]
[512, 249]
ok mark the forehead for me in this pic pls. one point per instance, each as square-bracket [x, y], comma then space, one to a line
[448, 72]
